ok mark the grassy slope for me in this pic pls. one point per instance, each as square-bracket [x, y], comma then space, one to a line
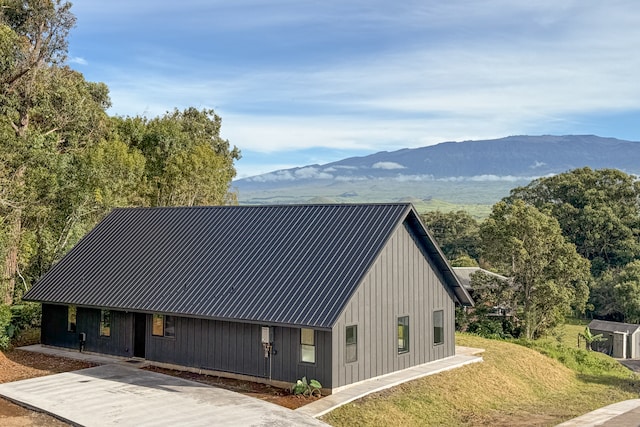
[514, 386]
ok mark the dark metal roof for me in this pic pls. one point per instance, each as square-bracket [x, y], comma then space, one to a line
[295, 264]
[608, 326]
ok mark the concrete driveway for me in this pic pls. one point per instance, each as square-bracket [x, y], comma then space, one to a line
[117, 395]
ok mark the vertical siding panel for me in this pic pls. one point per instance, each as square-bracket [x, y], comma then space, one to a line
[401, 282]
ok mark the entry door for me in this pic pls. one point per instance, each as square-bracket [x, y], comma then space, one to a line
[139, 334]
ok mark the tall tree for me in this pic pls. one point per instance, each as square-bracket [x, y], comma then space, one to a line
[48, 115]
[627, 291]
[457, 233]
[550, 278]
[188, 162]
[598, 211]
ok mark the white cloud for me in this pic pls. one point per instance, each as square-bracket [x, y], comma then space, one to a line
[537, 165]
[77, 60]
[469, 70]
[387, 165]
[311, 173]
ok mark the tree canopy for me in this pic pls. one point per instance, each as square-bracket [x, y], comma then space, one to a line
[598, 211]
[65, 163]
[457, 233]
[549, 277]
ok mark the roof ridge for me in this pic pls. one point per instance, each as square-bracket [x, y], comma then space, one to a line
[283, 205]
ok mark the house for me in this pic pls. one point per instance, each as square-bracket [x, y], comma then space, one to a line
[465, 275]
[622, 340]
[337, 293]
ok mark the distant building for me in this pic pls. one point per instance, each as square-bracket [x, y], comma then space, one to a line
[622, 340]
[337, 293]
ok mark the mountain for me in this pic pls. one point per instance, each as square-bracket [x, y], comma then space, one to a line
[469, 172]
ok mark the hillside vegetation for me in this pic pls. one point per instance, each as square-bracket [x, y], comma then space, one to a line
[514, 386]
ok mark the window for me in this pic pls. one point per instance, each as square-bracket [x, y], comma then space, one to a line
[169, 326]
[403, 334]
[307, 345]
[163, 326]
[71, 318]
[438, 327]
[105, 323]
[157, 328]
[352, 343]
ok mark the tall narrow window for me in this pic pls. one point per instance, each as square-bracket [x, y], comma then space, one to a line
[105, 323]
[71, 318]
[307, 345]
[169, 326]
[352, 343]
[403, 334]
[438, 327]
[157, 325]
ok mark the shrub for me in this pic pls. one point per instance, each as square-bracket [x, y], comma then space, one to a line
[304, 388]
[6, 328]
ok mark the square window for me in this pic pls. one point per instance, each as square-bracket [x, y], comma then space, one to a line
[71, 318]
[351, 343]
[163, 326]
[403, 334]
[438, 327]
[307, 345]
[105, 323]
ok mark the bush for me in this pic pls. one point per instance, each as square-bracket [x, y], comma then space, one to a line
[304, 388]
[494, 328]
[6, 328]
[576, 359]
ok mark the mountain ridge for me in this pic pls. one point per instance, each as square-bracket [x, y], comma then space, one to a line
[424, 172]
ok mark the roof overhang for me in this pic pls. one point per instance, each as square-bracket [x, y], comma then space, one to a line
[462, 296]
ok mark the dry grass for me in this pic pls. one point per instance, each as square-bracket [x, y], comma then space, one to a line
[514, 386]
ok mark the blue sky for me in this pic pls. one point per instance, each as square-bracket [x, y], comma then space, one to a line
[303, 82]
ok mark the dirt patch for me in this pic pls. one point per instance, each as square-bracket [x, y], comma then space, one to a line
[18, 365]
[259, 391]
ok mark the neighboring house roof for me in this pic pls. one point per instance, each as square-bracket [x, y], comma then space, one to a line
[464, 275]
[607, 326]
[293, 264]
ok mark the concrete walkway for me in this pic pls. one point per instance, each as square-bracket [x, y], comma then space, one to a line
[97, 359]
[118, 395]
[621, 414]
[464, 356]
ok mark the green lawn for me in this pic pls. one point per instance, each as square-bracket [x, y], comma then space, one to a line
[515, 386]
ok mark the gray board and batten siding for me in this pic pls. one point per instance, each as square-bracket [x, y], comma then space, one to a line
[223, 272]
[401, 282]
[213, 345]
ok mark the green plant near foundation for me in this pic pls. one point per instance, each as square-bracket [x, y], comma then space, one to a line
[307, 389]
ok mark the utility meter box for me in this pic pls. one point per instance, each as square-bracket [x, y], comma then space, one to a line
[267, 335]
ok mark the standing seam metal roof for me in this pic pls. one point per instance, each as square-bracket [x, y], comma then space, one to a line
[295, 264]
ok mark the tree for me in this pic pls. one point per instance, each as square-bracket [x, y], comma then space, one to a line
[549, 277]
[187, 162]
[457, 233]
[626, 291]
[597, 210]
[495, 305]
[589, 338]
[48, 114]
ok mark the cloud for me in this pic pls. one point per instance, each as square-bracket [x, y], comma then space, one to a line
[537, 165]
[311, 173]
[387, 165]
[372, 75]
[78, 60]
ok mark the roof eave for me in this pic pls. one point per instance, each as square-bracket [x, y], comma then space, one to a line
[462, 296]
